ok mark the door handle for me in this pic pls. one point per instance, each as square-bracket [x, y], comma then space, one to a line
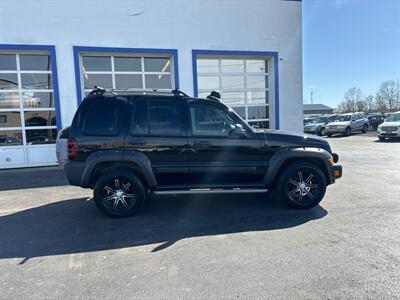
[136, 143]
[202, 143]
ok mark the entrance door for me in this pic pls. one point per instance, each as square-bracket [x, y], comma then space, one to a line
[28, 128]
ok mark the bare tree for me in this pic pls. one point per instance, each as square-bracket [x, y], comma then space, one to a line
[352, 97]
[369, 103]
[353, 101]
[388, 96]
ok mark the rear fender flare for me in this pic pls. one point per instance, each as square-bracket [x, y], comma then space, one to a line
[101, 156]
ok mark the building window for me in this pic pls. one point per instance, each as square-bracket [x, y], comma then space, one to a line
[242, 82]
[27, 102]
[126, 72]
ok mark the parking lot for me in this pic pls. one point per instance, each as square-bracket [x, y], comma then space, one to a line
[54, 242]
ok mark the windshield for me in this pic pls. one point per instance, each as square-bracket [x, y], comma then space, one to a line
[393, 118]
[319, 120]
[343, 118]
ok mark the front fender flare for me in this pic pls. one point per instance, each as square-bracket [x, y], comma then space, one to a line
[281, 156]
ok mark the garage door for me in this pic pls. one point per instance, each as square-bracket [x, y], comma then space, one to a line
[28, 125]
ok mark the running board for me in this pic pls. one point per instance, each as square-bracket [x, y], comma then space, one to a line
[209, 191]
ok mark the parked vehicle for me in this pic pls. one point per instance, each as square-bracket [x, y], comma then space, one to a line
[347, 124]
[307, 120]
[375, 120]
[317, 125]
[127, 146]
[390, 128]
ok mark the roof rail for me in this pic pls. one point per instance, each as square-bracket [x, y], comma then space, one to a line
[178, 93]
[98, 90]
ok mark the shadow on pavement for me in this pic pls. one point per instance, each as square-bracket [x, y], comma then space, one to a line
[75, 225]
[31, 178]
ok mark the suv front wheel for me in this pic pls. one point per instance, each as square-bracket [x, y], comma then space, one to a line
[119, 194]
[302, 185]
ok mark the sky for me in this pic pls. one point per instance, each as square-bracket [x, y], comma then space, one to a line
[349, 43]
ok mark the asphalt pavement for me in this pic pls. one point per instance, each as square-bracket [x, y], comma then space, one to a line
[55, 244]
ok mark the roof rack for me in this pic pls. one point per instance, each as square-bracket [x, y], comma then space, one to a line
[178, 93]
[99, 91]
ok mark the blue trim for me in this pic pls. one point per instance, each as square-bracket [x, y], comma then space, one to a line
[52, 51]
[273, 54]
[78, 49]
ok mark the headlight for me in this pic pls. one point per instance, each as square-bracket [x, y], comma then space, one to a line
[379, 127]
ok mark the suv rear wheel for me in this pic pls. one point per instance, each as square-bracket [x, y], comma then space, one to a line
[301, 185]
[365, 128]
[348, 131]
[119, 194]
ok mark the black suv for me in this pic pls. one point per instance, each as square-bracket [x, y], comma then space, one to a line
[125, 147]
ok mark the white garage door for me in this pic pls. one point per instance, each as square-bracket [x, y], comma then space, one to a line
[27, 109]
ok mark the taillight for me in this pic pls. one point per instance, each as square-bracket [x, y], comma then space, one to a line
[72, 148]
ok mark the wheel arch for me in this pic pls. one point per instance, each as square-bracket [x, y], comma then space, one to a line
[102, 161]
[282, 158]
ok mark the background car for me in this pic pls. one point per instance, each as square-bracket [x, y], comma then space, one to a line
[317, 125]
[375, 119]
[390, 128]
[348, 123]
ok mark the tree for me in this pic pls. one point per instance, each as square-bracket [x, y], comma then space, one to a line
[388, 96]
[353, 99]
[369, 103]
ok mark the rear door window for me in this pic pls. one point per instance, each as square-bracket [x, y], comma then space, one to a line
[102, 119]
[139, 124]
[164, 118]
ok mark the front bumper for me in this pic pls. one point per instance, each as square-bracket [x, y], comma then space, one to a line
[337, 171]
[389, 134]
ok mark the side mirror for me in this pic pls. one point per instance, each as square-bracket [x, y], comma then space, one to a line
[238, 131]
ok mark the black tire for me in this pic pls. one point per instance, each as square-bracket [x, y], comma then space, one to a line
[113, 185]
[381, 138]
[301, 199]
[348, 131]
[365, 128]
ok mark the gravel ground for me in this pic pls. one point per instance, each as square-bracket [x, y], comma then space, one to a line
[54, 243]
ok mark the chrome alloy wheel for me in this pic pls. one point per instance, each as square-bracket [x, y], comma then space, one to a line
[300, 189]
[118, 195]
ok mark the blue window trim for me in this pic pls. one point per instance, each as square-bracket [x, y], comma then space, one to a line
[273, 54]
[78, 49]
[52, 51]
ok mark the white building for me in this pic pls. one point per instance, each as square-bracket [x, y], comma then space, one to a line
[53, 52]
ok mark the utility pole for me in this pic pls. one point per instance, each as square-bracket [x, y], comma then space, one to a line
[311, 96]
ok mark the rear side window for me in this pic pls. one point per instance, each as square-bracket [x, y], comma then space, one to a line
[102, 119]
[164, 118]
[139, 125]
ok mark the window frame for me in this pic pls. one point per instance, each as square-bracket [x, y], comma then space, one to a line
[80, 51]
[245, 89]
[17, 51]
[273, 71]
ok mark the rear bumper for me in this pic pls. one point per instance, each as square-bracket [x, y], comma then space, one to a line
[73, 171]
[335, 130]
[312, 131]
